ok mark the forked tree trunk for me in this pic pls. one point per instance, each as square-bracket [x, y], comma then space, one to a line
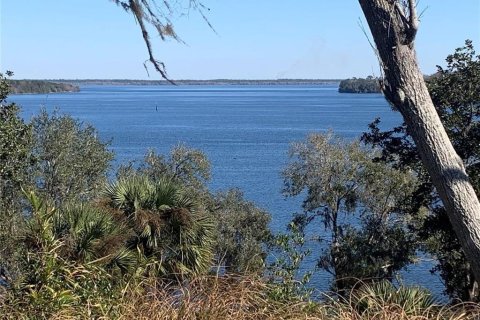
[393, 28]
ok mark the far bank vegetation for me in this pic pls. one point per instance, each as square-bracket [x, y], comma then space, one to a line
[360, 85]
[40, 86]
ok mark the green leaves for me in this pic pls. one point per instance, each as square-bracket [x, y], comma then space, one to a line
[168, 224]
[368, 85]
[15, 150]
[357, 200]
[71, 160]
[242, 232]
[370, 299]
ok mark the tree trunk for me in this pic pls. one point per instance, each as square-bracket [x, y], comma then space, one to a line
[393, 28]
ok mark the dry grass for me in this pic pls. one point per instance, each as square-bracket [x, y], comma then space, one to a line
[218, 298]
[214, 298]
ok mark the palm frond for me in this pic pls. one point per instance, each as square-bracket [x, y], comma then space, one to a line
[166, 221]
[375, 296]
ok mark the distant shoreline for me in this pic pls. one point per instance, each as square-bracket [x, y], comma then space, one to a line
[121, 82]
[40, 87]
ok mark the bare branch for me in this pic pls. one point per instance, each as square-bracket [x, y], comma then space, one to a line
[138, 13]
[157, 13]
[413, 22]
[375, 50]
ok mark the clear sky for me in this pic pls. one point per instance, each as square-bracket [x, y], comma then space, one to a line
[254, 39]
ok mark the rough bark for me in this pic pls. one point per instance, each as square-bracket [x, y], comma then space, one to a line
[394, 28]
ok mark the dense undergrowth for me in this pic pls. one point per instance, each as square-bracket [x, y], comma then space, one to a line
[237, 297]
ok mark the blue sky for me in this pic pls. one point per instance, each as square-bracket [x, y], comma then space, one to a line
[254, 39]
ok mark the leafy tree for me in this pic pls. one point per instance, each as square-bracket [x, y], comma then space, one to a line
[455, 92]
[394, 25]
[287, 280]
[15, 161]
[356, 200]
[242, 232]
[15, 143]
[188, 166]
[56, 154]
[71, 161]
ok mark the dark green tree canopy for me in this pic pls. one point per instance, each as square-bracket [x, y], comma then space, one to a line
[360, 85]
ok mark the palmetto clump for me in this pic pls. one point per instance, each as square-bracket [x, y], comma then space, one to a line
[169, 227]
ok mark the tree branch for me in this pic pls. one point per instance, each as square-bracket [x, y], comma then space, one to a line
[158, 13]
[138, 13]
[413, 22]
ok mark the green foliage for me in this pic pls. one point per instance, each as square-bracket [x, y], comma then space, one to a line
[241, 229]
[455, 92]
[15, 143]
[242, 232]
[4, 86]
[373, 250]
[360, 85]
[187, 166]
[452, 266]
[342, 185]
[371, 298]
[51, 282]
[91, 233]
[40, 86]
[71, 160]
[284, 273]
[167, 224]
[15, 161]
[85, 234]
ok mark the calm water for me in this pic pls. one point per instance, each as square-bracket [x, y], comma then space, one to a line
[244, 130]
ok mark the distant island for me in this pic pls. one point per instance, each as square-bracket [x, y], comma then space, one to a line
[40, 86]
[360, 85]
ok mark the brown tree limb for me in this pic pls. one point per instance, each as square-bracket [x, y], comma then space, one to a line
[138, 14]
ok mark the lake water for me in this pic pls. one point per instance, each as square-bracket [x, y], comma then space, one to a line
[244, 130]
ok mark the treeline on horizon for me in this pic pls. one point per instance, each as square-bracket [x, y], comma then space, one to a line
[369, 84]
[40, 86]
[200, 82]
[353, 85]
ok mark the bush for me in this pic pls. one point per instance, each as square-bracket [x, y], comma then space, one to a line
[242, 232]
[71, 161]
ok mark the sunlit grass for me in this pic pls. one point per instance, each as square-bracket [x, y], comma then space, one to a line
[239, 297]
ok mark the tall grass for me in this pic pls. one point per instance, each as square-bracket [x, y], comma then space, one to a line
[235, 297]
